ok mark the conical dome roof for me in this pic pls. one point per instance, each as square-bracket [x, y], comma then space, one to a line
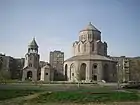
[33, 44]
[90, 27]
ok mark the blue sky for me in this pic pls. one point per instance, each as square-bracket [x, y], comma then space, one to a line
[56, 24]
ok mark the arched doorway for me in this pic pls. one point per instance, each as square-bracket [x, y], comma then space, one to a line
[29, 75]
[72, 72]
[83, 71]
[94, 72]
[105, 72]
[66, 69]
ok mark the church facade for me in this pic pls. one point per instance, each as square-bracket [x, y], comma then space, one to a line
[90, 61]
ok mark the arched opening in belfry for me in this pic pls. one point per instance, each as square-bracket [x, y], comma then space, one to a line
[94, 72]
[105, 72]
[72, 71]
[83, 71]
[66, 70]
[29, 75]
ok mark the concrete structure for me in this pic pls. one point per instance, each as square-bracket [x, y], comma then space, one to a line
[31, 65]
[134, 68]
[124, 67]
[47, 73]
[129, 68]
[90, 61]
[57, 61]
[11, 64]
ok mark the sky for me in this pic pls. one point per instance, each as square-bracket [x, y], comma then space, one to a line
[56, 23]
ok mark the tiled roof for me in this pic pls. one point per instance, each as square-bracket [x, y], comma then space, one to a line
[90, 26]
[33, 43]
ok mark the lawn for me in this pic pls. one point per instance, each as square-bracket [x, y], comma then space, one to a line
[66, 94]
[7, 94]
[85, 96]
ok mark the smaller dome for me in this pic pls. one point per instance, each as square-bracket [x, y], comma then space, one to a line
[33, 44]
[90, 27]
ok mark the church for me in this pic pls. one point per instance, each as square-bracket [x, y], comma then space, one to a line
[31, 70]
[90, 62]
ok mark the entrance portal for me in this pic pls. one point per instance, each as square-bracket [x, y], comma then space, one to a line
[66, 67]
[94, 77]
[83, 71]
[29, 75]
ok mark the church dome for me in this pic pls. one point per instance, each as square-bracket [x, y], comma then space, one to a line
[90, 27]
[33, 44]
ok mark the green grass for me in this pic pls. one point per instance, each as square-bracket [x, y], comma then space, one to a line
[7, 94]
[67, 93]
[85, 96]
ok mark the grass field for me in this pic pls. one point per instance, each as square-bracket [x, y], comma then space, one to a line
[64, 94]
[7, 94]
[85, 96]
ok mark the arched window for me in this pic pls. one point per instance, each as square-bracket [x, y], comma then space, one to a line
[79, 48]
[30, 64]
[72, 70]
[93, 47]
[94, 68]
[30, 57]
[66, 67]
[90, 36]
[82, 75]
[84, 47]
[29, 74]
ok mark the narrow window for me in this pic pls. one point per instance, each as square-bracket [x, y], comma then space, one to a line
[30, 65]
[79, 48]
[93, 47]
[84, 47]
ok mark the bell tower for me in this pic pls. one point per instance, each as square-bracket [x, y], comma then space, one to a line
[31, 65]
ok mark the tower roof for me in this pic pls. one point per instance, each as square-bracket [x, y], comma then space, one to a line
[33, 44]
[90, 26]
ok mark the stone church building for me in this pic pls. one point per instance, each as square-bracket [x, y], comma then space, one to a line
[31, 65]
[32, 70]
[90, 61]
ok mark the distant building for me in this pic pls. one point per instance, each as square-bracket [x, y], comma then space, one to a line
[123, 67]
[8, 63]
[135, 69]
[129, 68]
[13, 65]
[19, 67]
[56, 61]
